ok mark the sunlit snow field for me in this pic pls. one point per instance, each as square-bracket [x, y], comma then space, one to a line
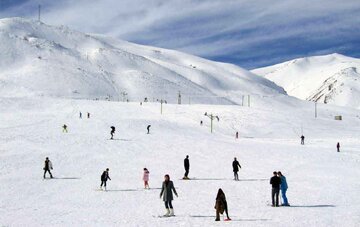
[323, 189]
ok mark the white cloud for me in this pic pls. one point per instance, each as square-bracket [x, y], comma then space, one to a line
[205, 27]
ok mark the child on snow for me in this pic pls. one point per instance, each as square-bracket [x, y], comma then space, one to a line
[146, 178]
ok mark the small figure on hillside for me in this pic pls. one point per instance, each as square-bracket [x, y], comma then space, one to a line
[47, 167]
[104, 177]
[221, 205]
[302, 139]
[338, 147]
[201, 123]
[112, 132]
[236, 166]
[88, 115]
[80, 115]
[237, 135]
[146, 178]
[166, 192]
[186, 167]
[65, 128]
[283, 188]
[140, 103]
[275, 181]
[148, 129]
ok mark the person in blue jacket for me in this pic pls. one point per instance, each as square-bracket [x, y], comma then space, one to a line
[283, 188]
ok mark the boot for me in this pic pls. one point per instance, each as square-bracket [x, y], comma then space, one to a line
[167, 214]
[172, 212]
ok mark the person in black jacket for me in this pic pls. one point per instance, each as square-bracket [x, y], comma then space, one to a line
[187, 167]
[275, 181]
[148, 129]
[112, 132]
[221, 205]
[338, 147]
[47, 167]
[104, 177]
[302, 139]
[236, 166]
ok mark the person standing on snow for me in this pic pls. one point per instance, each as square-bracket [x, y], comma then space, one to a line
[275, 181]
[302, 139]
[221, 205]
[80, 115]
[338, 147]
[104, 177]
[146, 178]
[65, 128]
[88, 115]
[237, 135]
[166, 192]
[47, 167]
[148, 129]
[236, 166]
[283, 188]
[112, 132]
[187, 167]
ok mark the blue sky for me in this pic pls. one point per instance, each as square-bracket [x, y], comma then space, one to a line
[249, 33]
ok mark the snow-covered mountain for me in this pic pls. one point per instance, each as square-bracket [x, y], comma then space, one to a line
[38, 59]
[331, 79]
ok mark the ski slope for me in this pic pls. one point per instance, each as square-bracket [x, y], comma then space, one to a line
[43, 60]
[323, 184]
[333, 78]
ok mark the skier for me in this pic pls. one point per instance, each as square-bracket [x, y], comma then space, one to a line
[283, 188]
[338, 147]
[88, 115]
[237, 135]
[166, 191]
[302, 139]
[148, 129]
[275, 181]
[104, 177]
[80, 115]
[112, 132]
[48, 166]
[65, 128]
[221, 205]
[201, 123]
[236, 166]
[187, 167]
[146, 178]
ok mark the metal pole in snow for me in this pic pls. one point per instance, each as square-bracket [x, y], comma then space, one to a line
[211, 118]
[39, 11]
[160, 106]
[315, 109]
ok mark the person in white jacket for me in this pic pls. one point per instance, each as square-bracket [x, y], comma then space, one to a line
[47, 167]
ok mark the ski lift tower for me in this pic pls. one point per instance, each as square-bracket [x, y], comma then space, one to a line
[212, 117]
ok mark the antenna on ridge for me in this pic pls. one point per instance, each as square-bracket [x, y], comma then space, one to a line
[39, 12]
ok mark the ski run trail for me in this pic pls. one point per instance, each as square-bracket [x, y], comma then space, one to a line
[323, 184]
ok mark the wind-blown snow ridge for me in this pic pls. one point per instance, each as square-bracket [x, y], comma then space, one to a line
[38, 59]
[331, 78]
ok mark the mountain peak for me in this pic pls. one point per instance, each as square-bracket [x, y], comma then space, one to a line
[38, 59]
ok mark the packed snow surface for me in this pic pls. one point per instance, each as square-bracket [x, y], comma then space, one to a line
[333, 78]
[323, 184]
[42, 60]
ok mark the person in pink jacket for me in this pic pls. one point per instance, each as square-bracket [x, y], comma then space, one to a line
[146, 178]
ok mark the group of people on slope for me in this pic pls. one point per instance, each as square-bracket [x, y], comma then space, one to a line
[302, 137]
[278, 182]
